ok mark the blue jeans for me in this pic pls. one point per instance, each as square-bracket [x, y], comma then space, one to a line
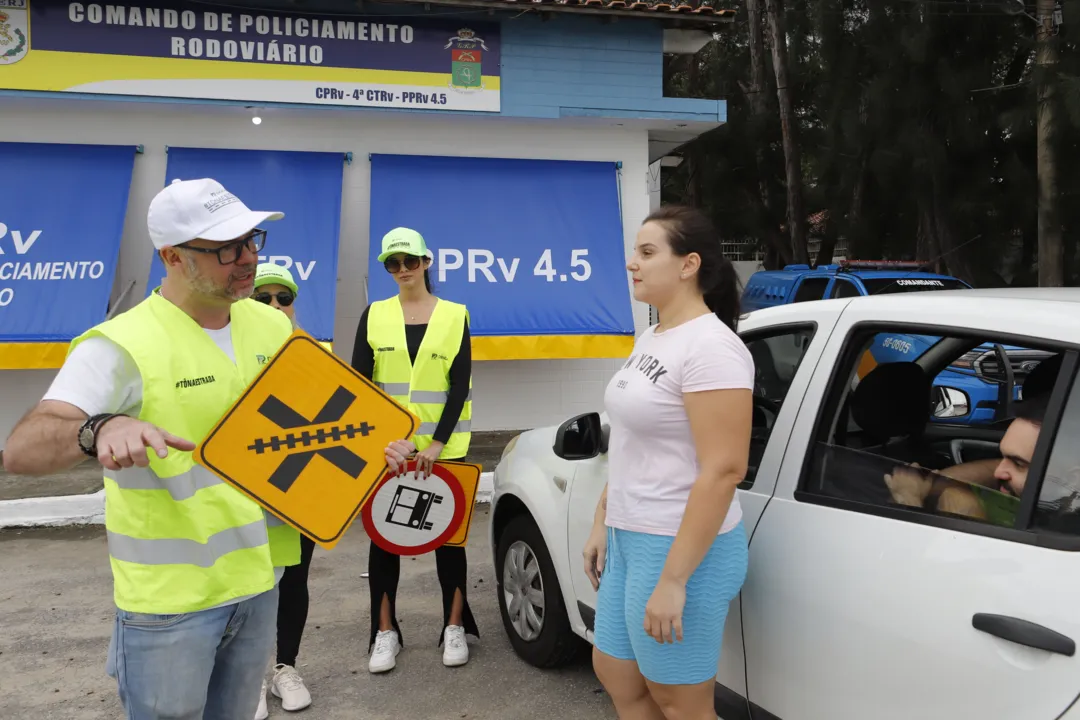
[206, 665]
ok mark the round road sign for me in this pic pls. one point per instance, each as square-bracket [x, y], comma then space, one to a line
[411, 516]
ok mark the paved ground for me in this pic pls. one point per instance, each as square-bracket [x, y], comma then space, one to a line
[56, 600]
[485, 448]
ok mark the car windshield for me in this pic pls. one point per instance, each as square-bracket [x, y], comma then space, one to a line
[881, 286]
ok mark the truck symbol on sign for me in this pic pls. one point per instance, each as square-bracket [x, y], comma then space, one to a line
[410, 508]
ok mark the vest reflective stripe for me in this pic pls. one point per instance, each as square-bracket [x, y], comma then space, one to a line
[429, 428]
[395, 389]
[422, 387]
[173, 551]
[434, 396]
[180, 539]
[180, 487]
[418, 396]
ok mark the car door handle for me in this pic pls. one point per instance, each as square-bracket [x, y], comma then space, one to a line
[1024, 632]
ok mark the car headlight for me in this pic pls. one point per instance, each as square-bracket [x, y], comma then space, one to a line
[967, 360]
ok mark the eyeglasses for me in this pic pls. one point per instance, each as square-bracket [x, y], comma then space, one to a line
[392, 264]
[230, 252]
[284, 298]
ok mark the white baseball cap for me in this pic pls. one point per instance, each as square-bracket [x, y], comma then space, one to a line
[188, 209]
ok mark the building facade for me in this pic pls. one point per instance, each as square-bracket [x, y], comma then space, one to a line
[573, 82]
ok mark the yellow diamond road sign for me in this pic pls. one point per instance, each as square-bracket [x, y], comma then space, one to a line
[307, 439]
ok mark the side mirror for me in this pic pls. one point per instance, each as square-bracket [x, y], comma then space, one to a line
[580, 438]
[947, 402]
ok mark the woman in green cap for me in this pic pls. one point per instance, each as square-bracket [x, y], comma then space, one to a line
[436, 386]
[274, 286]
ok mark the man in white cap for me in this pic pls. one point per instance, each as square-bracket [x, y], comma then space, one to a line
[195, 562]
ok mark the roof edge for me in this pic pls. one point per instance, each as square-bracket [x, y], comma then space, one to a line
[679, 13]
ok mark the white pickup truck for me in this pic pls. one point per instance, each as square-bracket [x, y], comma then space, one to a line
[867, 598]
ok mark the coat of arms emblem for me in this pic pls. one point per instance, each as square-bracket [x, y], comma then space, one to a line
[14, 30]
[465, 75]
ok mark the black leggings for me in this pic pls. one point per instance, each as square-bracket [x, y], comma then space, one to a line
[293, 605]
[384, 570]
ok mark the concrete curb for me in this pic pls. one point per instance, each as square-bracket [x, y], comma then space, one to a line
[90, 509]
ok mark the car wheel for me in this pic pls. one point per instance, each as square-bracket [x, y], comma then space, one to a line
[530, 600]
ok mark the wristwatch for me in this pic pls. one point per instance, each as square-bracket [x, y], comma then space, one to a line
[88, 432]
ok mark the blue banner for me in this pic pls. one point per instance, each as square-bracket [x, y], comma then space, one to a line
[306, 186]
[62, 213]
[533, 247]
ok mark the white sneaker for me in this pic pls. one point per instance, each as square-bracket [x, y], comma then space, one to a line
[455, 649]
[290, 688]
[386, 649]
[262, 713]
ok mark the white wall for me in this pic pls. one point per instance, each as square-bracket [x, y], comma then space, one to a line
[507, 395]
[655, 174]
[745, 268]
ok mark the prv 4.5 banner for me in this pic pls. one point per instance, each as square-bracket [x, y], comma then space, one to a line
[535, 249]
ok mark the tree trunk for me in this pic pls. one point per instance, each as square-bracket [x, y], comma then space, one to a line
[924, 242]
[692, 194]
[760, 125]
[775, 247]
[953, 254]
[856, 223]
[1051, 249]
[759, 107]
[1028, 255]
[796, 215]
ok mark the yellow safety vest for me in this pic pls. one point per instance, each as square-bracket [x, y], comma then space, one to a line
[181, 539]
[422, 388]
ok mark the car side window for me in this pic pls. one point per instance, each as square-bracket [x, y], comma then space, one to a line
[776, 360]
[811, 289]
[845, 288]
[1058, 507]
[895, 431]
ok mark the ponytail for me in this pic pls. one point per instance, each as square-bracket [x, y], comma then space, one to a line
[723, 298]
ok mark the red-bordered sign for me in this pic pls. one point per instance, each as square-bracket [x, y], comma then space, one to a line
[409, 516]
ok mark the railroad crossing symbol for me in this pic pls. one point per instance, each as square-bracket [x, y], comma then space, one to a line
[277, 412]
[411, 516]
[306, 440]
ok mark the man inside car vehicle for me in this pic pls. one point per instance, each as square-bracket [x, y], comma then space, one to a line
[915, 486]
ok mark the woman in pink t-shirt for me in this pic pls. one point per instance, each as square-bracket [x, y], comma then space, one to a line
[668, 534]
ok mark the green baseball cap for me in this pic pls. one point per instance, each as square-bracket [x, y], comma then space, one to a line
[274, 274]
[404, 240]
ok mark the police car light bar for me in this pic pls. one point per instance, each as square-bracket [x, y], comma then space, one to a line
[883, 264]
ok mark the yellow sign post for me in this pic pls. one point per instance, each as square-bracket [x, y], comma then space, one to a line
[307, 439]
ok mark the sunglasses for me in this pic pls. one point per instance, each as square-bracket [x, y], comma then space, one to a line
[392, 264]
[230, 252]
[284, 298]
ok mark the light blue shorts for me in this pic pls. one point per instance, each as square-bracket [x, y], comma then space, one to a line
[631, 571]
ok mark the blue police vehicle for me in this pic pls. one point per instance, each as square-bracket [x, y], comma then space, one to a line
[974, 390]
